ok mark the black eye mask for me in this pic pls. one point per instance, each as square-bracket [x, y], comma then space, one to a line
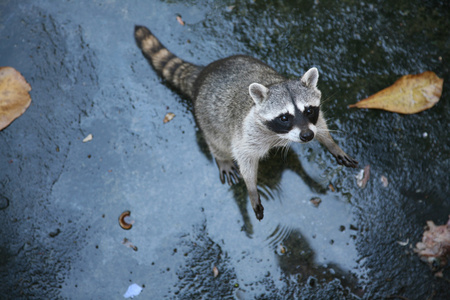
[281, 124]
[312, 113]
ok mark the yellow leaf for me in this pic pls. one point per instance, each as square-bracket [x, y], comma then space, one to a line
[408, 95]
[14, 97]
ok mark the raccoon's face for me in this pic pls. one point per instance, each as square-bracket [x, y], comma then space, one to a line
[290, 109]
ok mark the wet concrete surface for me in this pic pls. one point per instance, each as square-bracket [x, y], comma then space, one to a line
[60, 198]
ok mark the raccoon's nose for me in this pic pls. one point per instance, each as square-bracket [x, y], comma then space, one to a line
[306, 135]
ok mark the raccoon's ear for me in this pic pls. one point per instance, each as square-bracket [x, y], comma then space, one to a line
[258, 92]
[310, 78]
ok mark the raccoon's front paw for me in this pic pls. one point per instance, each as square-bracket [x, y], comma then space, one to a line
[341, 157]
[256, 204]
[344, 159]
[228, 171]
[259, 211]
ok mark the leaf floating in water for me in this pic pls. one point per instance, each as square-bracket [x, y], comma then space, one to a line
[215, 272]
[230, 8]
[315, 201]
[88, 138]
[331, 187]
[168, 117]
[180, 20]
[363, 176]
[14, 96]
[408, 95]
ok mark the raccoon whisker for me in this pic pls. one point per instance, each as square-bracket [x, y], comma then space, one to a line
[282, 146]
[324, 100]
[328, 130]
[286, 150]
[278, 149]
[285, 154]
[328, 120]
[324, 111]
[322, 132]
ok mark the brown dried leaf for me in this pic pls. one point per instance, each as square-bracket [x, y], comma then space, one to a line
[331, 187]
[408, 95]
[215, 271]
[363, 176]
[168, 117]
[180, 20]
[14, 96]
[315, 201]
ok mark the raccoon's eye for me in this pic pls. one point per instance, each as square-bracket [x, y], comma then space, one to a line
[284, 118]
[308, 111]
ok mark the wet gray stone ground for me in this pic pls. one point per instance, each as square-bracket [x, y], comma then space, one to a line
[60, 198]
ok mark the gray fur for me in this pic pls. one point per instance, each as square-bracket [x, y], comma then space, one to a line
[238, 102]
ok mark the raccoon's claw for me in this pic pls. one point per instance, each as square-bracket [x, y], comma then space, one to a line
[228, 172]
[346, 161]
[341, 157]
[257, 206]
[229, 177]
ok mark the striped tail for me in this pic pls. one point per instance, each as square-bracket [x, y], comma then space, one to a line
[177, 72]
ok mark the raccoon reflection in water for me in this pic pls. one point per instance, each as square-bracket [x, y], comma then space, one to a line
[244, 108]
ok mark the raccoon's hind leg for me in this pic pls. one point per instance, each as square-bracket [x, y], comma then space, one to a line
[228, 171]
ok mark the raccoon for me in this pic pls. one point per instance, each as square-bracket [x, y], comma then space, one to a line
[244, 108]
